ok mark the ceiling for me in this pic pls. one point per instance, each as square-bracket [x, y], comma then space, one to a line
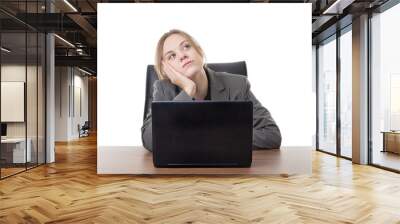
[76, 22]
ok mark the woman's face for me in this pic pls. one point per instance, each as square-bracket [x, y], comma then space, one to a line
[182, 56]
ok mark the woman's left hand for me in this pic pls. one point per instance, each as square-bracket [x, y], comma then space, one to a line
[179, 79]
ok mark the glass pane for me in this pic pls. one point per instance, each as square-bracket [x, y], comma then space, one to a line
[31, 101]
[346, 93]
[22, 88]
[13, 86]
[327, 96]
[386, 89]
[41, 98]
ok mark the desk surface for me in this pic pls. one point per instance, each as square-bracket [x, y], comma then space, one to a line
[13, 140]
[137, 160]
[390, 132]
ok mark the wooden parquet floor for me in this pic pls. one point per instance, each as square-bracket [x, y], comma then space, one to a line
[70, 191]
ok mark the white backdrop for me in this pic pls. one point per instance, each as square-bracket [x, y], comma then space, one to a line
[273, 39]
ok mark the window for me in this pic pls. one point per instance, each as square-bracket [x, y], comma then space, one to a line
[22, 68]
[346, 93]
[385, 88]
[327, 95]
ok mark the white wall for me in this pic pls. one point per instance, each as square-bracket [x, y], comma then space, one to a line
[68, 81]
[16, 72]
[61, 103]
[80, 83]
[273, 39]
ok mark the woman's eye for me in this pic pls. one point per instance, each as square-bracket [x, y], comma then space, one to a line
[171, 56]
[186, 46]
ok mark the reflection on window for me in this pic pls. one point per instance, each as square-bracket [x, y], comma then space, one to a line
[395, 102]
[386, 88]
[327, 96]
[346, 94]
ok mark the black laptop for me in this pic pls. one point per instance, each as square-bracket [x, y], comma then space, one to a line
[202, 133]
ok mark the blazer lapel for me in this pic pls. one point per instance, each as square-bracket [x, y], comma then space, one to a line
[218, 90]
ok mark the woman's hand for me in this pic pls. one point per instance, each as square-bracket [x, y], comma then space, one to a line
[180, 80]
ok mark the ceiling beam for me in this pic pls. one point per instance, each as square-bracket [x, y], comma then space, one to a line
[320, 22]
[85, 61]
[337, 6]
[84, 24]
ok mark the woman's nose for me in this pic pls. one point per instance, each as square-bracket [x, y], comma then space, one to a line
[182, 56]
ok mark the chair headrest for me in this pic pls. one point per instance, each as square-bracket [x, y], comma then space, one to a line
[151, 76]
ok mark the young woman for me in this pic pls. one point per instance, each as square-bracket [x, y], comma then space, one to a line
[183, 76]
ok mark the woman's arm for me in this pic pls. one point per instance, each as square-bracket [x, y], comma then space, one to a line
[162, 91]
[266, 133]
[147, 133]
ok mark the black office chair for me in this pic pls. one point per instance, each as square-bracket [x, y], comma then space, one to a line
[151, 76]
[84, 130]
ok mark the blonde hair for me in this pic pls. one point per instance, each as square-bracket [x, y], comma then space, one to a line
[160, 46]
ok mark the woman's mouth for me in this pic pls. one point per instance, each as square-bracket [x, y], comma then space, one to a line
[187, 63]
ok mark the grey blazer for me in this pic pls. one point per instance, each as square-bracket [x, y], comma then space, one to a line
[223, 87]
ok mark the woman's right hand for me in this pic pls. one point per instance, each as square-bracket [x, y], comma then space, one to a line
[180, 80]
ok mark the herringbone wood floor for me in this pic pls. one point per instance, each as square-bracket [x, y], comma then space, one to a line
[70, 191]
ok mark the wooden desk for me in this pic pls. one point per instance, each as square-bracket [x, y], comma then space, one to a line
[137, 160]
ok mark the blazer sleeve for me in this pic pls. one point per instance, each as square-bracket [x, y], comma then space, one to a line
[266, 133]
[158, 95]
[147, 133]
